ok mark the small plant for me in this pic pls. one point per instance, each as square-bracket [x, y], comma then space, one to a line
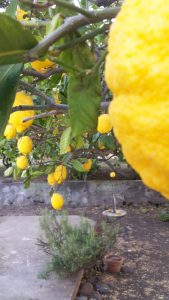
[72, 248]
[164, 216]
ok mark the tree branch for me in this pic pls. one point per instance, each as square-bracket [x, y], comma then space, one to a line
[28, 87]
[43, 115]
[71, 24]
[35, 23]
[59, 107]
[83, 38]
[73, 7]
[41, 76]
[39, 6]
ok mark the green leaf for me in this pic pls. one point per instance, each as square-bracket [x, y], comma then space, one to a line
[11, 9]
[9, 76]
[78, 142]
[8, 172]
[15, 40]
[27, 182]
[84, 96]
[77, 166]
[65, 140]
[108, 141]
[49, 169]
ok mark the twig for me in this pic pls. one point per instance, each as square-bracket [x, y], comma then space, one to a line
[56, 107]
[31, 72]
[71, 24]
[28, 87]
[37, 5]
[35, 23]
[43, 115]
[83, 38]
[60, 3]
[73, 7]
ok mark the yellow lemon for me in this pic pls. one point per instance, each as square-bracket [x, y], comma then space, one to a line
[57, 201]
[87, 165]
[112, 174]
[16, 118]
[137, 72]
[60, 174]
[22, 162]
[25, 145]
[104, 123]
[21, 14]
[51, 179]
[10, 132]
[42, 66]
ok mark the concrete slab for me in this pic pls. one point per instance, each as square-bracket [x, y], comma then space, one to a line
[21, 261]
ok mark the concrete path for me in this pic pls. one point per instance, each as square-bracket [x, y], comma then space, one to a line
[21, 261]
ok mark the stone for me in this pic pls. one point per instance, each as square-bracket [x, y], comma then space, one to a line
[112, 283]
[129, 267]
[86, 289]
[96, 296]
[102, 288]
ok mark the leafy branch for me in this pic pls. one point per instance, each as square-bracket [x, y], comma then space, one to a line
[71, 24]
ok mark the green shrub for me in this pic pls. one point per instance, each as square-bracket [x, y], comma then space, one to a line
[72, 248]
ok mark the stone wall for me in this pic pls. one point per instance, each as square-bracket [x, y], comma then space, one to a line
[80, 193]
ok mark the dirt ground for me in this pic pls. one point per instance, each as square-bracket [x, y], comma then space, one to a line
[143, 241]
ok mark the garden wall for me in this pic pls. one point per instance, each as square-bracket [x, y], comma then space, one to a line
[79, 193]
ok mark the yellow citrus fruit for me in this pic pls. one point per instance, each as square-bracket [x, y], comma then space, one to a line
[60, 174]
[43, 65]
[10, 132]
[112, 174]
[87, 165]
[51, 179]
[22, 162]
[25, 145]
[16, 118]
[104, 123]
[21, 14]
[57, 201]
[137, 72]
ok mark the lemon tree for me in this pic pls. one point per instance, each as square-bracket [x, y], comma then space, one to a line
[57, 115]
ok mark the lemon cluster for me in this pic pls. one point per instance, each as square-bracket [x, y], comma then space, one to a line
[24, 146]
[58, 176]
[15, 122]
[136, 71]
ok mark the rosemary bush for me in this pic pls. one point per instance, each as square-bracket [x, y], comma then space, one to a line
[72, 248]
